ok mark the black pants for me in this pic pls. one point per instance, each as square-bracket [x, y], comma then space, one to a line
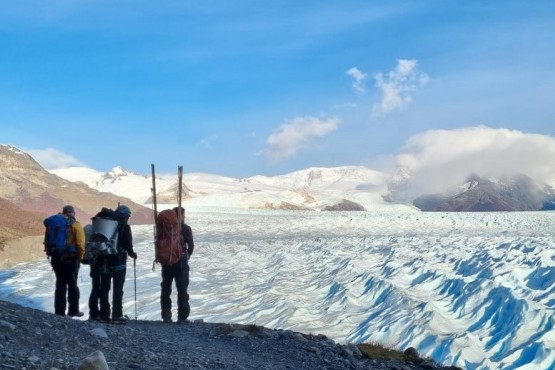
[179, 272]
[94, 297]
[106, 278]
[66, 270]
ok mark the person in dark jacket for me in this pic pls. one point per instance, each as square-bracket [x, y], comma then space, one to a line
[180, 272]
[113, 268]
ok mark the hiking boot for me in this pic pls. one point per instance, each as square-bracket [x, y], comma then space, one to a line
[183, 321]
[120, 320]
[76, 314]
[94, 318]
[167, 320]
[105, 320]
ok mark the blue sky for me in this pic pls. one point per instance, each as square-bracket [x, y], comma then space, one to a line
[242, 88]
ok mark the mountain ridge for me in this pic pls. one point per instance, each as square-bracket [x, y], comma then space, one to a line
[310, 189]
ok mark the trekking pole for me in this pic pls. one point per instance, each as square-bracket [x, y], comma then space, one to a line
[155, 211]
[135, 280]
[179, 194]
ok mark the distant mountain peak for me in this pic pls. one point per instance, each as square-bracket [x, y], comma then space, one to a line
[13, 149]
[117, 173]
[478, 194]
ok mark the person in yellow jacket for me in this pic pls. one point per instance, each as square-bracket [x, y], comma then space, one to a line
[66, 267]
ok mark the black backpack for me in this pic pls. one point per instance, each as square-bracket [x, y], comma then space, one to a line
[102, 236]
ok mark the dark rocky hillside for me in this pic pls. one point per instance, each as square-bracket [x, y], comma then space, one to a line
[344, 205]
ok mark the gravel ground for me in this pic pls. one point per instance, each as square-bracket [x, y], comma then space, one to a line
[33, 339]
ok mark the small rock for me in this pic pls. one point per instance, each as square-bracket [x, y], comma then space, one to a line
[315, 350]
[95, 361]
[300, 337]
[99, 333]
[411, 354]
[239, 334]
[354, 350]
[8, 325]
[221, 330]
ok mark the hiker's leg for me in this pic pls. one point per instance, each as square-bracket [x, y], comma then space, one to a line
[117, 294]
[105, 282]
[73, 289]
[182, 283]
[61, 287]
[165, 293]
[94, 311]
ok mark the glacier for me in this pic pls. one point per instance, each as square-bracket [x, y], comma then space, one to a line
[475, 290]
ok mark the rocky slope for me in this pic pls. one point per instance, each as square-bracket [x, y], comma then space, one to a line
[33, 339]
[30, 187]
[28, 193]
[16, 222]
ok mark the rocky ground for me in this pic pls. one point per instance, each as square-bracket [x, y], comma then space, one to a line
[33, 339]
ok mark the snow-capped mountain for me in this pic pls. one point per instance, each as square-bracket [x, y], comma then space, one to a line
[117, 181]
[313, 188]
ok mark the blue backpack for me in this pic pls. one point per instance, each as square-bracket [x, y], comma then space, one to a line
[56, 235]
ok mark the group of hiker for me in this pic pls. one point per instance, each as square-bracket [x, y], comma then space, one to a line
[105, 246]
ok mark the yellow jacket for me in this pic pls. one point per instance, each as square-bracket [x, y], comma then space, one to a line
[77, 238]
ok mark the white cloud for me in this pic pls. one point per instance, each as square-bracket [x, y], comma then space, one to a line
[296, 134]
[438, 159]
[204, 143]
[398, 85]
[51, 158]
[359, 78]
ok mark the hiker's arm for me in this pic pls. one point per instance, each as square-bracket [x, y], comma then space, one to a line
[189, 240]
[79, 234]
[128, 242]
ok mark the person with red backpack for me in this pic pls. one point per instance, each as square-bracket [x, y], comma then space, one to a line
[178, 270]
[64, 244]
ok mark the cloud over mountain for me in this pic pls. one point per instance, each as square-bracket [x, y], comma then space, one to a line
[438, 159]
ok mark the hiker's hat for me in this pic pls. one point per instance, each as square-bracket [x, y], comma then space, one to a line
[123, 211]
[68, 209]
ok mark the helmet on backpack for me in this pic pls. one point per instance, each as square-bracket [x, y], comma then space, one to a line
[123, 211]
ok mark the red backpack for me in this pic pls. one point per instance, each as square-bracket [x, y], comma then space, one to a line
[167, 244]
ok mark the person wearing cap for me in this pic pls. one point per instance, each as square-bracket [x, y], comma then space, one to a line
[113, 270]
[66, 267]
[180, 272]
